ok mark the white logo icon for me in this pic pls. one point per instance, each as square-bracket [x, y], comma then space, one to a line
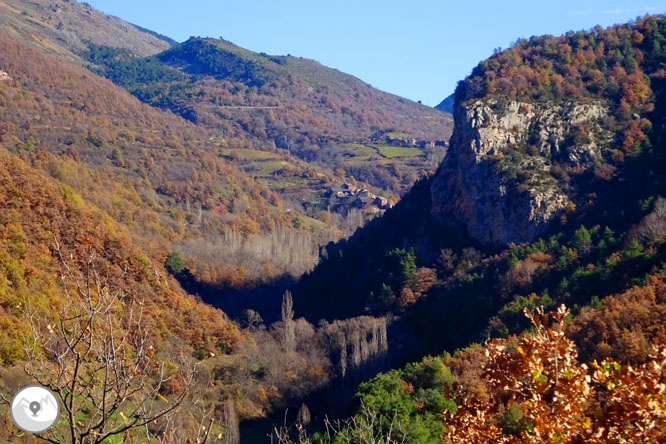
[35, 409]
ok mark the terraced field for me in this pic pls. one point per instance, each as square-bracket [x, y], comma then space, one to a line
[398, 151]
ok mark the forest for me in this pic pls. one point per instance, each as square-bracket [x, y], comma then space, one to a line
[173, 268]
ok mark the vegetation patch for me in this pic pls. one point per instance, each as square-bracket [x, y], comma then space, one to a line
[398, 151]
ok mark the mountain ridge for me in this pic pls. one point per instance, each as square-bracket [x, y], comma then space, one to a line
[447, 104]
[65, 27]
[319, 114]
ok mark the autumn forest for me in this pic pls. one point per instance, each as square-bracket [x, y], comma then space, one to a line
[204, 244]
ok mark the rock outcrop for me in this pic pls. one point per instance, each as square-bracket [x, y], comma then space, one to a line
[496, 179]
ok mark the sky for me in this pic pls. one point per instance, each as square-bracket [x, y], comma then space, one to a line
[418, 49]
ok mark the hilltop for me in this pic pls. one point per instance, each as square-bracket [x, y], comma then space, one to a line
[446, 105]
[64, 28]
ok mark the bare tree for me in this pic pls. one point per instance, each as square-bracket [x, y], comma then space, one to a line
[253, 320]
[447, 259]
[198, 417]
[303, 418]
[364, 428]
[231, 431]
[97, 359]
[659, 207]
[289, 338]
[653, 226]
[360, 344]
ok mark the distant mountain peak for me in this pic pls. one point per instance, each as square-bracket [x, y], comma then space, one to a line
[446, 105]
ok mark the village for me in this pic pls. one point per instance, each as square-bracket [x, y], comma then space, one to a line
[354, 197]
[393, 138]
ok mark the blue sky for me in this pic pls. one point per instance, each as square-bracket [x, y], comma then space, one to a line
[417, 49]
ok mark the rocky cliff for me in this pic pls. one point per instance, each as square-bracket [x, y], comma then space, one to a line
[498, 179]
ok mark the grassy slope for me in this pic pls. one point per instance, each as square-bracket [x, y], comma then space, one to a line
[64, 28]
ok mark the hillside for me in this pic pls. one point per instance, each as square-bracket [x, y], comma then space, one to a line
[152, 171]
[271, 148]
[552, 193]
[64, 28]
[49, 234]
[302, 108]
[268, 148]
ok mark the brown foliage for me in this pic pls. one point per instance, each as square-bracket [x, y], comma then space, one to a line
[423, 279]
[560, 400]
[626, 328]
[541, 373]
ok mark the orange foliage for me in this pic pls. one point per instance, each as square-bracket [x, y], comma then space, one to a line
[559, 399]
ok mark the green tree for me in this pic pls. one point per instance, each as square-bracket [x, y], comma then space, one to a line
[385, 298]
[582, 240]
[566, 256]
[633, 250]
[174, 263]
[391, 397]
[513, 422]
[401, 265]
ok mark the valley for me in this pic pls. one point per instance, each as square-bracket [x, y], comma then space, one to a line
[288, 254]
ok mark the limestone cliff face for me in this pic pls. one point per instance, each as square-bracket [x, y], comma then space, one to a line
[496, 178]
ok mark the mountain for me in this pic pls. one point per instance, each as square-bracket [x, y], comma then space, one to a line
[91, 177]
[287, 105]
[543, 197]
[523, 132]
[446, 105]
[299, 136]
[65, 28]
[204, 166]
[92, 174]
[301, 150]
[552, 192]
